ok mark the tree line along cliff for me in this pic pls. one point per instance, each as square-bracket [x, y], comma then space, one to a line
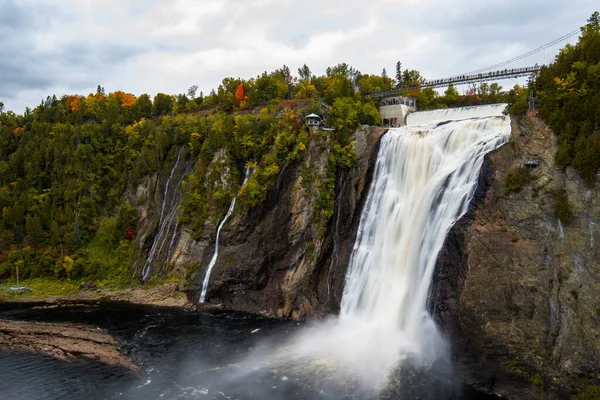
[70, 168]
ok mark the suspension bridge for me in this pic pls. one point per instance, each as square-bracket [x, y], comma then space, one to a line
[526, 64]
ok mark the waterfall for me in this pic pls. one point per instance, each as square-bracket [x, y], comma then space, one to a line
[561, 230]
[454, 114]
[424, 179]
[164, 224]
[213, 260]
[425, 175]
[592, 229]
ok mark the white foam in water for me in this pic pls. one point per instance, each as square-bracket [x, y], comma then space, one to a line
[424, 179]
[213, 261]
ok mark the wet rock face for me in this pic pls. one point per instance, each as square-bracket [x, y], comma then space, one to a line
[516, 291]
[156, 198]
[276, 258]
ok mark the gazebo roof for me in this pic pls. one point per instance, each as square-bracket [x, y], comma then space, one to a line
[313, 115]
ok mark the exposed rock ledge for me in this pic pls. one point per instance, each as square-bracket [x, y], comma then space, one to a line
[63, 341]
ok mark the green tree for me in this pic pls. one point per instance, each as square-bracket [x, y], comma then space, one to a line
[142, 107]
[451, 96]
[162, 105]
[192, 91]
[304, 72]
[34, 229]
[398, 74]
[411, 78]
[567, 98]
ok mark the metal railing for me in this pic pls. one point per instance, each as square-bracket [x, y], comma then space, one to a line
[460, 79]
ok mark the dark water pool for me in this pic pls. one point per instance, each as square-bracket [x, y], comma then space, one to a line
[189, 355]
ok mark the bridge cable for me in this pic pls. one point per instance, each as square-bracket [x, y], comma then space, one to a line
[529, 53]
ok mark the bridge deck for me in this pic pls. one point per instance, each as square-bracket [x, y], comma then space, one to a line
[457, 80]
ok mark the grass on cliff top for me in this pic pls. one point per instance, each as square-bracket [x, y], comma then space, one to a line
[47, 287]
[40, 288]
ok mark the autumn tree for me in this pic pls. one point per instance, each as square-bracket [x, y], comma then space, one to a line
[75, 102]
[128, 100]
[306, 91]
[240, 96]
[411, 78]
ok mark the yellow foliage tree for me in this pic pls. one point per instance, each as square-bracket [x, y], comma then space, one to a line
[67, 264]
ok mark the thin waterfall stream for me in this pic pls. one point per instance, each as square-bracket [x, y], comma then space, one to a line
[213, 260]
[163, 224]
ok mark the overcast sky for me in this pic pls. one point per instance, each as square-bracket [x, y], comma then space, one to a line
[149, 46]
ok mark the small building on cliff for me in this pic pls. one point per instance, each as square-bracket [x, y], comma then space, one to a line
[313, 121]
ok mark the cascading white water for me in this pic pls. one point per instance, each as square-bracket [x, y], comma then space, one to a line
[163, 224]
[424, 179]
[454, 114]
[213, 260]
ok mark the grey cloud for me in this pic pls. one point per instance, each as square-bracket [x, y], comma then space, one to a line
[80, 62]
[295, 27]
[474, 32]
[463, 35]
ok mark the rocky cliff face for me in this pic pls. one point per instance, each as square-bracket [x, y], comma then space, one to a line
[278, 258]
[515, 290]
[156, 199]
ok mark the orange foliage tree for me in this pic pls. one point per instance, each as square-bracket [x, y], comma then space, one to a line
[240, 95]
[74, 102]
[127, 99]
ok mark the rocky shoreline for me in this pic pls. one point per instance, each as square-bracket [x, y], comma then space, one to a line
[71, 342]
[63, 341]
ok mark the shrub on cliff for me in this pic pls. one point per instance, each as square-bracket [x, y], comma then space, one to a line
[562, 208]
[516, 179]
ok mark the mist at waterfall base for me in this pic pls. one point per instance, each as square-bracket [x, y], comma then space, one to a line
[384, 344]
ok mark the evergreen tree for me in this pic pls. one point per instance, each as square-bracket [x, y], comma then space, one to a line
[398, 74]
[304, 72]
